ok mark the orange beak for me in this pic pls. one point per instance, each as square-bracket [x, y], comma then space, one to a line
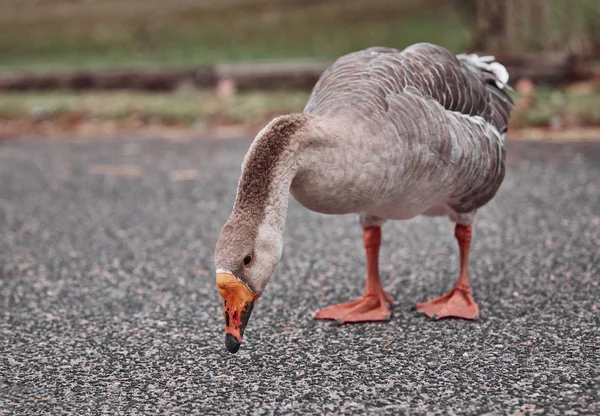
[238, 302]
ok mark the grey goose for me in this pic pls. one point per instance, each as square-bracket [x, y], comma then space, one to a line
[387, 135]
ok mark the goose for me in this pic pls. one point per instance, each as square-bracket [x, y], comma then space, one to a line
[387, 135]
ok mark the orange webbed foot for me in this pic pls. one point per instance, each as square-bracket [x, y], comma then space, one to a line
[458, 303]
[369, 308]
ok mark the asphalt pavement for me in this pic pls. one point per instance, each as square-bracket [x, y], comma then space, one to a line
[108, 303]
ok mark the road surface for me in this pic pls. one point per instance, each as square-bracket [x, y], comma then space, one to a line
[108, 303]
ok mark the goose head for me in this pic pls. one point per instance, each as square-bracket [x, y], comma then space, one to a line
[245, 259]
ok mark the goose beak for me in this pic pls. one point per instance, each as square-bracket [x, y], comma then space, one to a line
[238, 302]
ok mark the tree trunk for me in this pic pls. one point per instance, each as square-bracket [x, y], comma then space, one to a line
[491, 32]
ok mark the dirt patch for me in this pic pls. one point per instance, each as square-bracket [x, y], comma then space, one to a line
[575, 134]
[68, 128]
[75, 127]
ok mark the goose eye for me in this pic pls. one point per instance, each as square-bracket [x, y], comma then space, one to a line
[247, 260]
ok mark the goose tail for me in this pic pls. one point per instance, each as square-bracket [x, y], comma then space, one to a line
[493, 71]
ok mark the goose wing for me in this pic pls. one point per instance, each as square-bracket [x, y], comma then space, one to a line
[447, 113]
[364, 82]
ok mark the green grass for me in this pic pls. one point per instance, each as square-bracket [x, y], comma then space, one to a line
[41, 35]
[198, 108]
[571, 107]
[179, 108]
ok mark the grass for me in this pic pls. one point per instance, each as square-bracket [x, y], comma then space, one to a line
[184, 108]
[53, 34]
[193, 108]
[561, 107]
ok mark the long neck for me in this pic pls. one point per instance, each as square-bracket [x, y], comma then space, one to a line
[268, 171]
[279, 195]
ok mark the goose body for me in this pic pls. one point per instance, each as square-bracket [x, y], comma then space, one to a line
[385, 134]
[427, 135]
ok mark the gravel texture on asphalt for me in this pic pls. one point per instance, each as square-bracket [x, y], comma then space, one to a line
[108, 303]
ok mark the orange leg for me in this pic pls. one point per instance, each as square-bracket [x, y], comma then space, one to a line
[372, 306]
[457, 303]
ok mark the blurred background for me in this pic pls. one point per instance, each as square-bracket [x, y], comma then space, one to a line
[84, 65]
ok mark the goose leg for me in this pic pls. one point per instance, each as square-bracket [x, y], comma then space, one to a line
[372, 306]
[457, 303]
